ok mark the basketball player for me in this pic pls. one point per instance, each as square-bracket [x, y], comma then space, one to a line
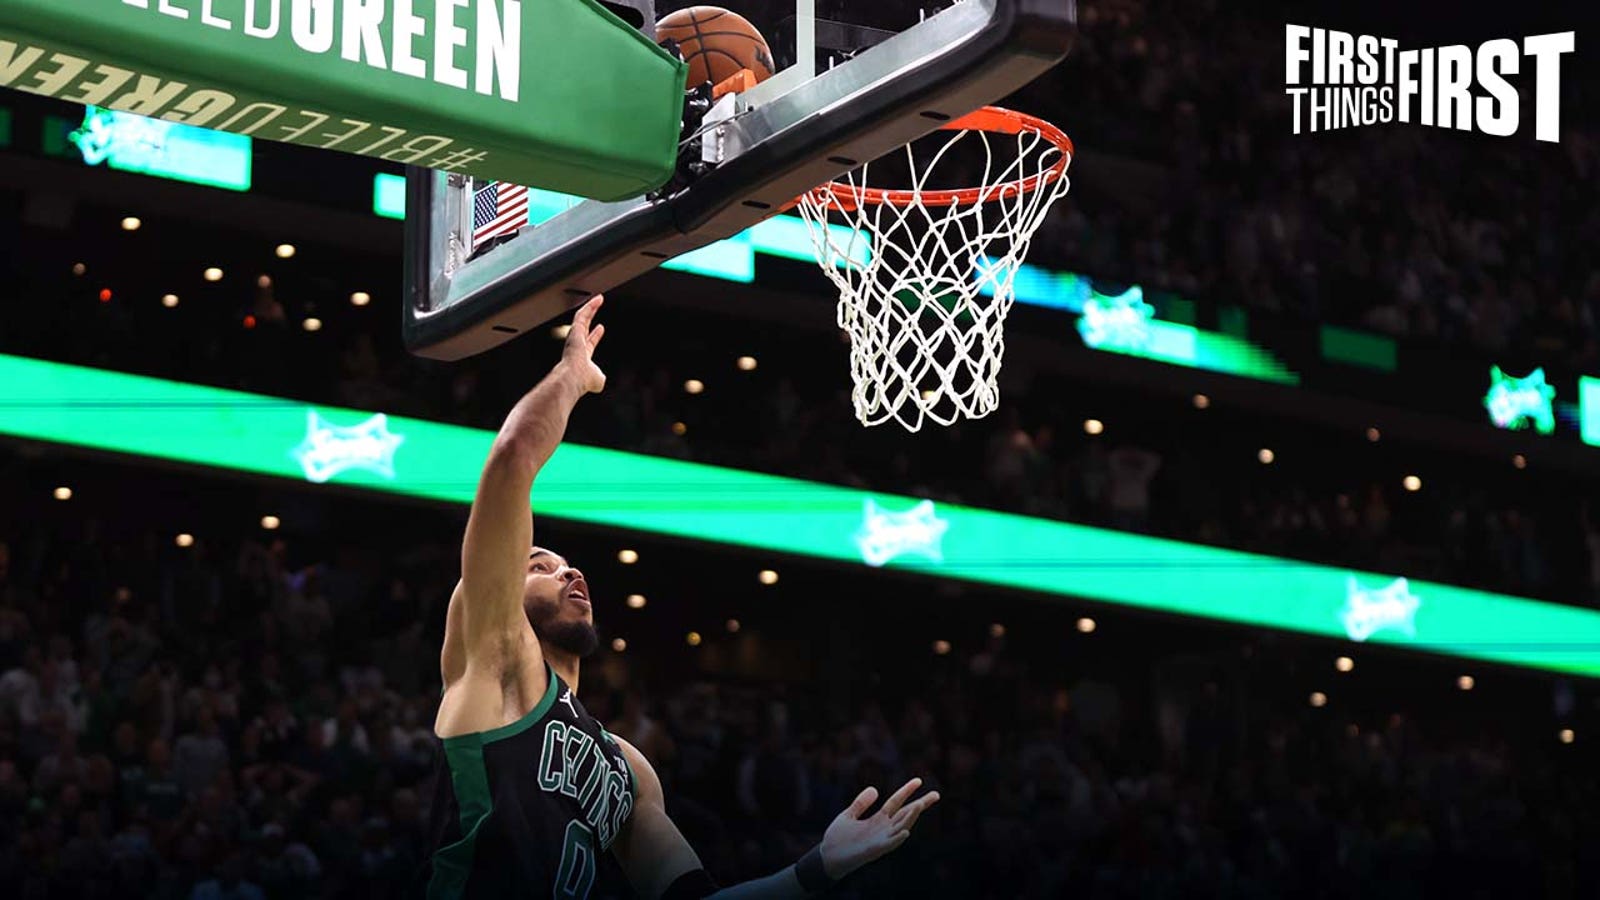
[533, 788]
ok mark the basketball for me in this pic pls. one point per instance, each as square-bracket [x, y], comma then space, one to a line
[716, 44]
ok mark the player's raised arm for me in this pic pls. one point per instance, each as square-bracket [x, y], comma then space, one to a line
[662, 866]
[494, 554]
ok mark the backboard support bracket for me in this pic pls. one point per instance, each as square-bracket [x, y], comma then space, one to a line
[782, 140]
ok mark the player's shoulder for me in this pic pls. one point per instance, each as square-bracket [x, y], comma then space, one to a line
[647, 783]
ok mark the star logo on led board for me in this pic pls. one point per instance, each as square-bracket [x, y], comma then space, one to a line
[1368, 611]
[885, 535]
[1515, 403]
[1122, 321]
[330, 449]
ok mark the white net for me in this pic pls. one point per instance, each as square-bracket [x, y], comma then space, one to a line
[925, 283]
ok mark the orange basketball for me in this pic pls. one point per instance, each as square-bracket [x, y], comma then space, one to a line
[716, 43]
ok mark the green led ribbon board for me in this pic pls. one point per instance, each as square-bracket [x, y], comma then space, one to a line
[303, 442]
[144, 146]
[389, 196]
[1589, 410]
[1126, 324]
[1518, 403]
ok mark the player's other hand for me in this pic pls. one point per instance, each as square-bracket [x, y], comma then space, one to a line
[578, 355]
[855, 839]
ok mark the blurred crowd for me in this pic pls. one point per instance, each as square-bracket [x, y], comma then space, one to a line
[1417, 232]
[239, 720]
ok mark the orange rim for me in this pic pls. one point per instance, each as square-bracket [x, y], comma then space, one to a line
[842, 197]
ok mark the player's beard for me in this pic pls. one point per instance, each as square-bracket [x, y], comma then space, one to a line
[578, 638]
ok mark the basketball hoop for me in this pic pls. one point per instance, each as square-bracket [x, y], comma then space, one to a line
[925, 276]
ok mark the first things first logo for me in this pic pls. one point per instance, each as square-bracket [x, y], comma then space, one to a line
[1361, 79]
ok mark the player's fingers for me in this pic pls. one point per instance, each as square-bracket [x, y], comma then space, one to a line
[898, 798]
[896, 838]
[586, 312]
[908, 817]
[863, 802]
[595, 336]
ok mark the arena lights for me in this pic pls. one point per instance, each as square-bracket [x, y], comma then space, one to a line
[1411, 483]
[693, 638]
[746, 363]
[213, 274]
[680, 429]
[1201, 401]
[105, 295]
[63, 493]
[1319, 699]
[312, 324]
[1374, 435]
[1266, 456]
[1519, 461]
[79, 269]
[1466, 683]
[636, 601]
[941, 648]
[1093, 426]
[560, 332]
[694, 386]
[131, 223]
[169, 300]
[733, 626]
[184, 540]
[1086, 625]
[360, 298]
[618, 645]
[1344, 664]
[767, 577]
[996, 630]
[270, 523]
[786, 517]
[1566, 736]
[284, 251]
[627, 557]
[263, 281]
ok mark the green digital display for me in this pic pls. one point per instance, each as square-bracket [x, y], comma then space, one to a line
[389, 195]
[163, 149]
[1358, 348]
[1518, 403]
[1589, 410]
[327, 445]
[1126, 324]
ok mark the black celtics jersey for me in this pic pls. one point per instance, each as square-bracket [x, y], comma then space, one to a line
[530, 809]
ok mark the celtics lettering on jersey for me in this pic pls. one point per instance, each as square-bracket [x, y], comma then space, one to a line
[575, 765]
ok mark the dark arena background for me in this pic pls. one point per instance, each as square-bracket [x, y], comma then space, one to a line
[1375, 370]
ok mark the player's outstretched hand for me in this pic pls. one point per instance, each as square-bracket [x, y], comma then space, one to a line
[582, 338]
[853, 841]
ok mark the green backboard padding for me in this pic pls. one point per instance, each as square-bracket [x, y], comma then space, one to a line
[551, 93]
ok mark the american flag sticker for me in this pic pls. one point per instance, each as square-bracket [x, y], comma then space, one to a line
[498, 208]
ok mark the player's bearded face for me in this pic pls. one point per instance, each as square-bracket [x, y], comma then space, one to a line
[557, 620]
